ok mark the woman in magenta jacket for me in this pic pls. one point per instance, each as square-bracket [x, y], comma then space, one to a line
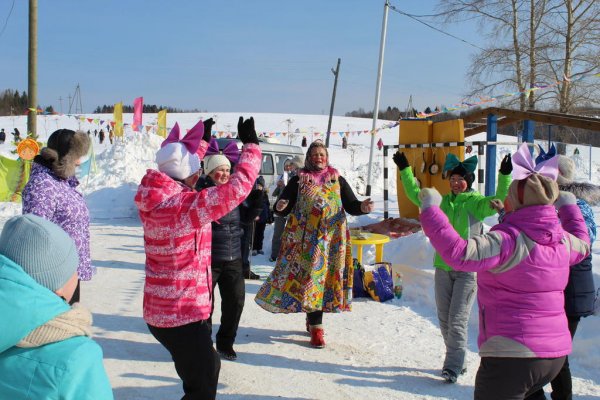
[523, 268]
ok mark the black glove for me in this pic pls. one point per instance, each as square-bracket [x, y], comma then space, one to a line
[506, 165]
[400, 160]
[246, 131]
[255, 199]
[208, 129]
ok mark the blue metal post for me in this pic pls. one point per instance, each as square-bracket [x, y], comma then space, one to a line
[528, 130]
[549, 136]
[490, 161]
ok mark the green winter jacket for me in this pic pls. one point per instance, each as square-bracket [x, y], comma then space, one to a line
[68, 369]
[466, 211]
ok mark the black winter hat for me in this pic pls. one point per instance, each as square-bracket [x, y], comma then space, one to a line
[468, 176]
[260, 181]
[64, 148]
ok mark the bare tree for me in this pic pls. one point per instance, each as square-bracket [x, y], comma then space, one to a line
[532, 44]
[573, 51]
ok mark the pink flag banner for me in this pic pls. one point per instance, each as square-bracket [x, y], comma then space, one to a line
[138, 105]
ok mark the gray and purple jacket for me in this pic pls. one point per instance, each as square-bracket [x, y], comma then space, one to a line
[58, 200]
[523, 268]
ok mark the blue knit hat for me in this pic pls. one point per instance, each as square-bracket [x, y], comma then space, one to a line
[41, 248]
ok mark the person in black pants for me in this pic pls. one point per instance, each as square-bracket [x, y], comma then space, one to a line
[191, 349]
[265, 217]
[580, 292]
[226, 258]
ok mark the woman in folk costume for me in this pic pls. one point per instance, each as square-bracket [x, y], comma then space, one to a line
[313, 272]
[455, 290]
[177, 241]
[522, 267]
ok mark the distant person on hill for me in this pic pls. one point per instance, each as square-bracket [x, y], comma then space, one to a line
[101, 136]
[2, 136]
[580, 292]
[177, 240]
[455, 290]
[45, 347]
[226, 263]
[290, 167]
[16, 135]
[52, 193]
[314, 267]
[304, 142]
[522, 267]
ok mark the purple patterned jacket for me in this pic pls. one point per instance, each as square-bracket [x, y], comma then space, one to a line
[58, 201]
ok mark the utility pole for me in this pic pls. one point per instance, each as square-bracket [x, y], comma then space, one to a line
[32, 70]
[335, 73]
[60, 101]
[76, 100]
[377, 92]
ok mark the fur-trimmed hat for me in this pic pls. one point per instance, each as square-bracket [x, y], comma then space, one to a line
[566, 170]
[65, 147]
[532, 191]
[44, 251]
[176, 161]
[212, 162]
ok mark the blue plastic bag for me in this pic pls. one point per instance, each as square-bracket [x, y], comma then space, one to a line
[378, 281]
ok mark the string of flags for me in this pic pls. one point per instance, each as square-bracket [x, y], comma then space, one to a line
[159, 129]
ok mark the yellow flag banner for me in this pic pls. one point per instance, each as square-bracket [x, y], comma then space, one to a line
[162, 123]
[118, 116]
[14, 175]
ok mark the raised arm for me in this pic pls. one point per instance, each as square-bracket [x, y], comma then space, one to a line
[572, 222]
[479, 253]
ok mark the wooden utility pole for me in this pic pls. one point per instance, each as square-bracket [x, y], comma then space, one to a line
[335, 73]
[32, 70]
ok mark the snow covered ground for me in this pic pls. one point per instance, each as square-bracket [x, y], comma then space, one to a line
[387, 350]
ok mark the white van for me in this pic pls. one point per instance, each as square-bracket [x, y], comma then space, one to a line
[274, 156]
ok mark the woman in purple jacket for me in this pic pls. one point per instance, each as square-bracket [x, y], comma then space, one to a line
[51, 193]
[523, 268]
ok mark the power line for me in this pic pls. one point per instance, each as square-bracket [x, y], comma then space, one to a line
[415, 17]
[9, 14]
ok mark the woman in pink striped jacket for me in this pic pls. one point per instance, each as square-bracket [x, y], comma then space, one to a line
[177, 240]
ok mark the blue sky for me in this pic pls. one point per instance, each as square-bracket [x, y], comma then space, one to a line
[238, 55]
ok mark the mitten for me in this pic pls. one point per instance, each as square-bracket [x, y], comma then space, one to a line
[400, 160]
[429, 197]
[564, 198]
[506, 165]
[208, 129]
[246, 131]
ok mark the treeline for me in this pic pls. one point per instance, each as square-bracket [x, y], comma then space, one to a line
[12, 102]
[147, 108]
[390, 113]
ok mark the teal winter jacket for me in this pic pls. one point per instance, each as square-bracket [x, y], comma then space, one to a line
[63, 370]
